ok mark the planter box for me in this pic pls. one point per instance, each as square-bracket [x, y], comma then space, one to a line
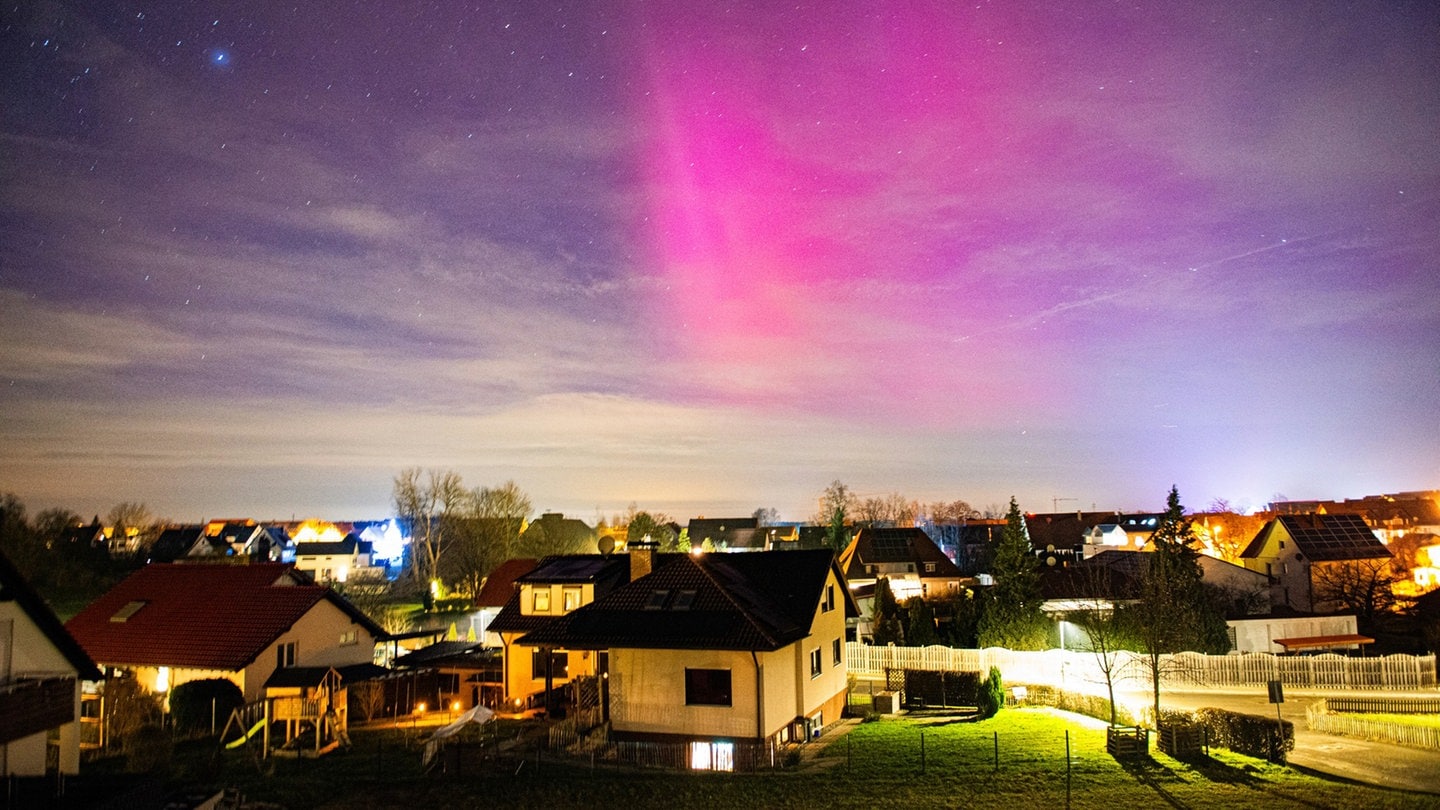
[1127, 742]
[1182, 742]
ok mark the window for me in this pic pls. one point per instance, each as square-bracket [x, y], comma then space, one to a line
[707, 756]
[707, 687]
[929, 568]
[815, 663]
[541, 600]
[349, 637]
[657, 601]
[571, 599]
[559, 664]
[683, 600]
[829, 603]
[285, 655]
[838, 651]
[130, 609]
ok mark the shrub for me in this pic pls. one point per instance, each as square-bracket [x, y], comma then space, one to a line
[1248, 734]
[992, 694]
[1089, 705]
[147, 750]
[191, 704]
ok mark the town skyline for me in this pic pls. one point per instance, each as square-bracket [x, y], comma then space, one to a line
[707, 260]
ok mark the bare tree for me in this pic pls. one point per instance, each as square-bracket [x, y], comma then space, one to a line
[1098, 591]
[837, 498]
[951, 512]
[368, 697]
[487, 534]
[1362, 586]
[132, 527]
[766, 516]
[429, 502]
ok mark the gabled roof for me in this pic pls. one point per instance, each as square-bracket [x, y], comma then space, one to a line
[199, 615]
[348, 547]
[14, 587]
[759, 601]
[721, 531]
[605, 572]
[437, 652]
[882, 546]
[1323, 538]
[175, 542]
[500, 584]
[1064, 529]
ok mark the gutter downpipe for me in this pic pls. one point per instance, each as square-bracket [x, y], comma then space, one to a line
[759, 698]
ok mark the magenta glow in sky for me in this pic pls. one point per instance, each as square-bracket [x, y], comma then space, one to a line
[709, 259]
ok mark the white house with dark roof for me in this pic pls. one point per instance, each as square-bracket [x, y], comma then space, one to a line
[41, 673]
[718, 650]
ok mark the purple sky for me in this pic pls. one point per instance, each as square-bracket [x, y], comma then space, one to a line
[708, 257]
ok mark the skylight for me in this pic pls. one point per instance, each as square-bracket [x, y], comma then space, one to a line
[683, 600]
[657, 601]
[130, 609]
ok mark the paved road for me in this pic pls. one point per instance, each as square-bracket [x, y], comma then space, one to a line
[1373, 763]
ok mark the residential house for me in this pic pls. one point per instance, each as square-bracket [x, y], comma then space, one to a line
[336, 561]
[556, 586]
[181, 542]
[725, 534]
[1064, 533]
[41, 673]
[172, 623]
[499, 587]
[712, 649]
[907, 557]
[1300, 552]
[560, 533]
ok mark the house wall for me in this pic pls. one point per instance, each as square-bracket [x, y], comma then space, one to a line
[520, 680]
[25, 651]
[1258, 635]
[647, 687]
[1290, 575]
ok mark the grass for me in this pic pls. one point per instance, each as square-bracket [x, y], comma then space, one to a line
[1424, 720]
[875, 764]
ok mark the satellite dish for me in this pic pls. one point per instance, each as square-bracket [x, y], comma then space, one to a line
[607, 544]
[1050, 547]
[1050, 561]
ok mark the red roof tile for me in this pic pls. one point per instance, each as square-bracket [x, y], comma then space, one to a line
[195, 615]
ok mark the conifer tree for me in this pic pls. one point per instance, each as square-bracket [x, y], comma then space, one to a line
[1013, 618]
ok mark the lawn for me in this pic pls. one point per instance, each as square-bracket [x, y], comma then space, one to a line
[1424, 720]
[875, 764]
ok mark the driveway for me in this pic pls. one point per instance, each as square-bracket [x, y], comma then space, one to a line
[1373, 763]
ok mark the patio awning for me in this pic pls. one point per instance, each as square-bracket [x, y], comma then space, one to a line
[1322, 642]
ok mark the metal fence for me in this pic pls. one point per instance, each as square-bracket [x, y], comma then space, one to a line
[1319, 717]
[1076, 669]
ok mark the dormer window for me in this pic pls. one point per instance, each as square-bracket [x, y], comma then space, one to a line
[541, 600]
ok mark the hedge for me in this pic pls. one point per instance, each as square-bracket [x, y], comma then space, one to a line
[191, 704]
[1249, 734]
[1088, 705]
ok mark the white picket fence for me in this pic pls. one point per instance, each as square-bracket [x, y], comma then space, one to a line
[1076, 669]
[1320, 718]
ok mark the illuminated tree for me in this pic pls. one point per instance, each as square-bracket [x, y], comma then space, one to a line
[652, 528]
[1175, 611]
[1363, 587]
[1013, 618]
[886, 626]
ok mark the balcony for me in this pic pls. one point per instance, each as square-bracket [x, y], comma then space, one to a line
[29, 705]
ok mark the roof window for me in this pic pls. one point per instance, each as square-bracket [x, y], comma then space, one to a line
[657, 600]
[130, 609]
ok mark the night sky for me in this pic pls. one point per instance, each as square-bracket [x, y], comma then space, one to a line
[256, 258]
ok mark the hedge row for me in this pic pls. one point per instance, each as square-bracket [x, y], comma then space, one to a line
[1089, 705]
[1248, 734]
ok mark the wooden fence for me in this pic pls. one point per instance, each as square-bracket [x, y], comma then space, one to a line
[1320, 717]
[1076, 669]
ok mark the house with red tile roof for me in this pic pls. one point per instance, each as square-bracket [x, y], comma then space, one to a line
[41, 670]
[172, 623]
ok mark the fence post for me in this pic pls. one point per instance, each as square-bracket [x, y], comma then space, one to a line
[1067, 769]
[922, 753]
[849, 763]
[997, 752]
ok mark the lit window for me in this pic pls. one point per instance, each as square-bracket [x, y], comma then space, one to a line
[349, 637]
[815, 663]
[707, 687]
[571, 599]
[707, 756]
[541, 600]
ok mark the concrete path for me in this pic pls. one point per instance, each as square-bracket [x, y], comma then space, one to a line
[1372, 763]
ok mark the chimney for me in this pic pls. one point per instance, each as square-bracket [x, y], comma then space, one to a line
[642, 558]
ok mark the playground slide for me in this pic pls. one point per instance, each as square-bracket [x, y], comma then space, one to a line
[253, 730]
